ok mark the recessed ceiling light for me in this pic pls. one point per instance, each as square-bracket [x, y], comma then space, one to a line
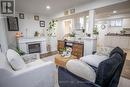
[114, 12]
[48, 7]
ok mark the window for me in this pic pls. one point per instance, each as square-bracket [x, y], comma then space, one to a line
[81, 22]
[68, 26]
[116, 23]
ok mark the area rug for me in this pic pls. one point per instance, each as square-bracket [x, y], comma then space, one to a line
[126, 70]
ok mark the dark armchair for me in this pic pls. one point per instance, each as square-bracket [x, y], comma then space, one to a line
[107, 73]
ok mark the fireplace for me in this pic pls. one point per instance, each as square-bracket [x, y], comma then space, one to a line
[33, 45]
[34, 48]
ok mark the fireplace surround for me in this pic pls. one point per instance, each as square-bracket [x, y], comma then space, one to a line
[33, 45]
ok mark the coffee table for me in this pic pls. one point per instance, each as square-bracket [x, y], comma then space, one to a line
[61, 61]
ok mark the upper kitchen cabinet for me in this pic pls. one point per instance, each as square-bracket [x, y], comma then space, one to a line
[126, 23]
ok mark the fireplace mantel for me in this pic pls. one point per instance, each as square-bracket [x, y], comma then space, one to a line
[35, 39]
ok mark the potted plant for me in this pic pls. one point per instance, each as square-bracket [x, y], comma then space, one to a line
[62, 50]
[20, 52]
[71, 36]
[36, 34]
[51, 28]
[95, 31]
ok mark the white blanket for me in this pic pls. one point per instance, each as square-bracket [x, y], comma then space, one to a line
[81, 69]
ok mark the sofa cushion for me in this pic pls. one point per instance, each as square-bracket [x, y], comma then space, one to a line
[81, 69]
[94, 60]
[107, 69]
[117, 50]
[15, 60]
[35, 63]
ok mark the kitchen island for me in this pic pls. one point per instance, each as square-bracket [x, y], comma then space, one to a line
[79, 48]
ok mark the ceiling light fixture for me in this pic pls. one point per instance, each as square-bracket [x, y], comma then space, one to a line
[114, 12]
[48, 7]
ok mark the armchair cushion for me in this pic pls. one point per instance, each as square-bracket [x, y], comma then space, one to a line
[81, 69]
[68, 79]
[15, 60]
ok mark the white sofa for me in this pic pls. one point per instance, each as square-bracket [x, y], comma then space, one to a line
[40, 75]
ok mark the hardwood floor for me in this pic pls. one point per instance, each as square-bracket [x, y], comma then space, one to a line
[124, 82]
[128, 54]
[126, 69]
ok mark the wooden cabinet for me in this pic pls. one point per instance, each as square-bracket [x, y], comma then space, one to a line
[61, 45]
[77, 50]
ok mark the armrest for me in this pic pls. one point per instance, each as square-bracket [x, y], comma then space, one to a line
[33, 68]
[37, 76]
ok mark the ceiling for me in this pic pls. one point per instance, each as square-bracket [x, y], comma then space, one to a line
[39, 6]
[121, 8]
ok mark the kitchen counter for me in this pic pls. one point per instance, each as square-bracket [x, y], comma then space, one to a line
[122, 41]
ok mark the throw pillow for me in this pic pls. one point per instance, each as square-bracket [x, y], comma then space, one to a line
[15, 60]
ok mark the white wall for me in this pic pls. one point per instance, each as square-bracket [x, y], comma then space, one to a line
[31, 25]
[27, 24]
[108, 29]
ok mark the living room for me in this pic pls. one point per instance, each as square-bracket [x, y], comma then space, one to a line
[50, 39]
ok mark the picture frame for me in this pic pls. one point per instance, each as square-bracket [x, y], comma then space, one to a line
[21, 15]
[12, 23]
[72, 11]
[66, 12]
[42, 23]
[36, 17]
[7, 7]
